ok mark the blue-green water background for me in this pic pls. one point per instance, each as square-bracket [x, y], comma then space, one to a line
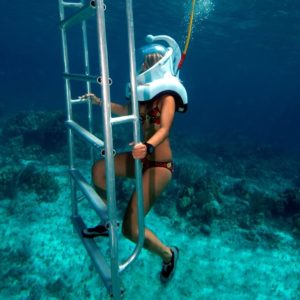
[241, 72]
[242, 76]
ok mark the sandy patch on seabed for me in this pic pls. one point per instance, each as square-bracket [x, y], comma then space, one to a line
[41, 258]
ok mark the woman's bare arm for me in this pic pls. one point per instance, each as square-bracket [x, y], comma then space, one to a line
[117, 109]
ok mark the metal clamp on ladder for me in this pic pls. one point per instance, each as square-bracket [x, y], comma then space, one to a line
[109, 271]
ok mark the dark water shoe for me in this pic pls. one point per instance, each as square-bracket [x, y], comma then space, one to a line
[92, 232]
[168, 269]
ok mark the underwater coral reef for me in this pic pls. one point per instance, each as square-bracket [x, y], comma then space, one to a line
[232, 208]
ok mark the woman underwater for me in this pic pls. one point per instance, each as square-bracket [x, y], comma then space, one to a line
[156, 115]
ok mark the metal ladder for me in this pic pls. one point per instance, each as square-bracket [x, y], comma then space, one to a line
[109, 271]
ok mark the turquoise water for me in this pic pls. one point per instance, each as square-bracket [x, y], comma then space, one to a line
[243, 253]
[233, 207]
[43, 259]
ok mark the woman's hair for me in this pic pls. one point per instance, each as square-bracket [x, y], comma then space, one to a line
[151, 59]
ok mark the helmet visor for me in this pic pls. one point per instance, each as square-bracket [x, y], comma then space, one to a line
[148, 56]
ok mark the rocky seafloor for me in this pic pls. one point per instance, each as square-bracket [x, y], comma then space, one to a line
[233, 209]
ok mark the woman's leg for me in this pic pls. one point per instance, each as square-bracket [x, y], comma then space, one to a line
[154, 182]
[124, 167]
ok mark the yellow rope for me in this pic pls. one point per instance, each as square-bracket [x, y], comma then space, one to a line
[187, 42]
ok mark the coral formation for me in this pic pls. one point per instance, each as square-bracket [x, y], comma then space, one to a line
[242, 200]
[35, 130]
[7, 181]
[41, 182]
[28, 178]
[233, 186]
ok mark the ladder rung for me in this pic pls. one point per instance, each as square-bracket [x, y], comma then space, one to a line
[78, 101]
[82, 14]
[97, 203]
[93, 250]
[85, 134]
[123, 119]
[72, 4]
[81, 77]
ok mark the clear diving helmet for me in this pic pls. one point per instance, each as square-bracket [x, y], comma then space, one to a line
[158, 74]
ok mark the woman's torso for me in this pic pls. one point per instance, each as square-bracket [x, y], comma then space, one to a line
[150, 115]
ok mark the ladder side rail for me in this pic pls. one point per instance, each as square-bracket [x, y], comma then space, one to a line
[138, 172]
[98, 260]
[69, 108]
[82, 14]
[109, 157]
[95, 200]
[100, 263]
[85, 135]
[88, 83]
